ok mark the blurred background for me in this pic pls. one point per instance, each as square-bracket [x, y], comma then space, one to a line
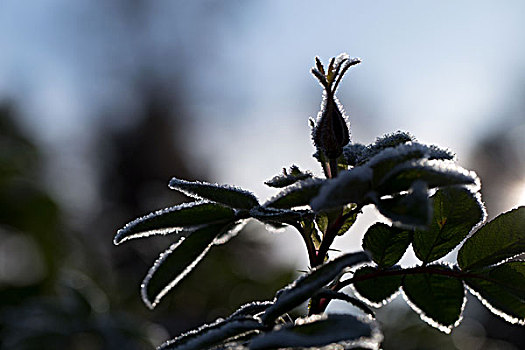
[102, 102]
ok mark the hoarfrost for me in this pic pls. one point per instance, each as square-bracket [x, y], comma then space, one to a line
[495, 311]
[371, 303]
[230, 233]
[308, 184]
[163, 256]
[127, 232]
[350, 186]
[432, 322]
[229, 195]
[305, 286]
[211, 334]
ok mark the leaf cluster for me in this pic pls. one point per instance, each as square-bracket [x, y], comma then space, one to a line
[431, 204]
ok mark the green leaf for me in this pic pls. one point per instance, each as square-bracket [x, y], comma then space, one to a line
[383, 162]
[386, 244]
[316, 331]
[411, 210]
[211, 335]
[456, 212]
[288, 178]
[323, 218]
[297, 195]
[501, 288]
[228, 195]
[349, 186]
[500, 239]
[438, 299]
[175, 219]
[376, 290]
[304, 287]
[436, 173]
[177, 262]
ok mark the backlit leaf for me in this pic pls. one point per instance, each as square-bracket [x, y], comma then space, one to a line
[288, 177]
[501, 288]
[410, 210]
[304, 287]
[177, 262]
[499, 239]
[438, 299]
[211, 335]
[350, 186]
[375, 289]
[436, 173]
[228, 195]
[175, 219]
[297, 195]
[386, 244]
[317, 331]
[455, 212]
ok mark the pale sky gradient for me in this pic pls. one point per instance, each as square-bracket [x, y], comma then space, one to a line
[440, 70]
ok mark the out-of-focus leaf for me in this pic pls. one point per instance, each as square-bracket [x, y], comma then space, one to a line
[411, 210]
[499, 239]
[376, 290]
[316, 331]
[438, 299]
[174, 219]
[297, 195]
[288, 178]
[501, 288]
[304, 287]
[349, 186]
[387, 244]
[211, 335]
[228, 195]
[455, 212]
[436, 173]
[177, 262]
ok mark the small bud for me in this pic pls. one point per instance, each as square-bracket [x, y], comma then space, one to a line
[331, 133]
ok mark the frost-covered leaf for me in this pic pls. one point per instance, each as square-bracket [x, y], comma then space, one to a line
[501, 289]
[251, 309]
[392, 140]
[177, 262]
[409, 210]
[211, 335]
[272, 215]
[456, 212]
[304, 287]
[375, 289]
[436, 173]
[499, 239]
[296, 195]
[333, 295]
[387, 244]
[383, 162]
[288, 178]
[175, 219]
[354, 153]
[349, 186]
[317, 331]
[438, 299]
[228, 195]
